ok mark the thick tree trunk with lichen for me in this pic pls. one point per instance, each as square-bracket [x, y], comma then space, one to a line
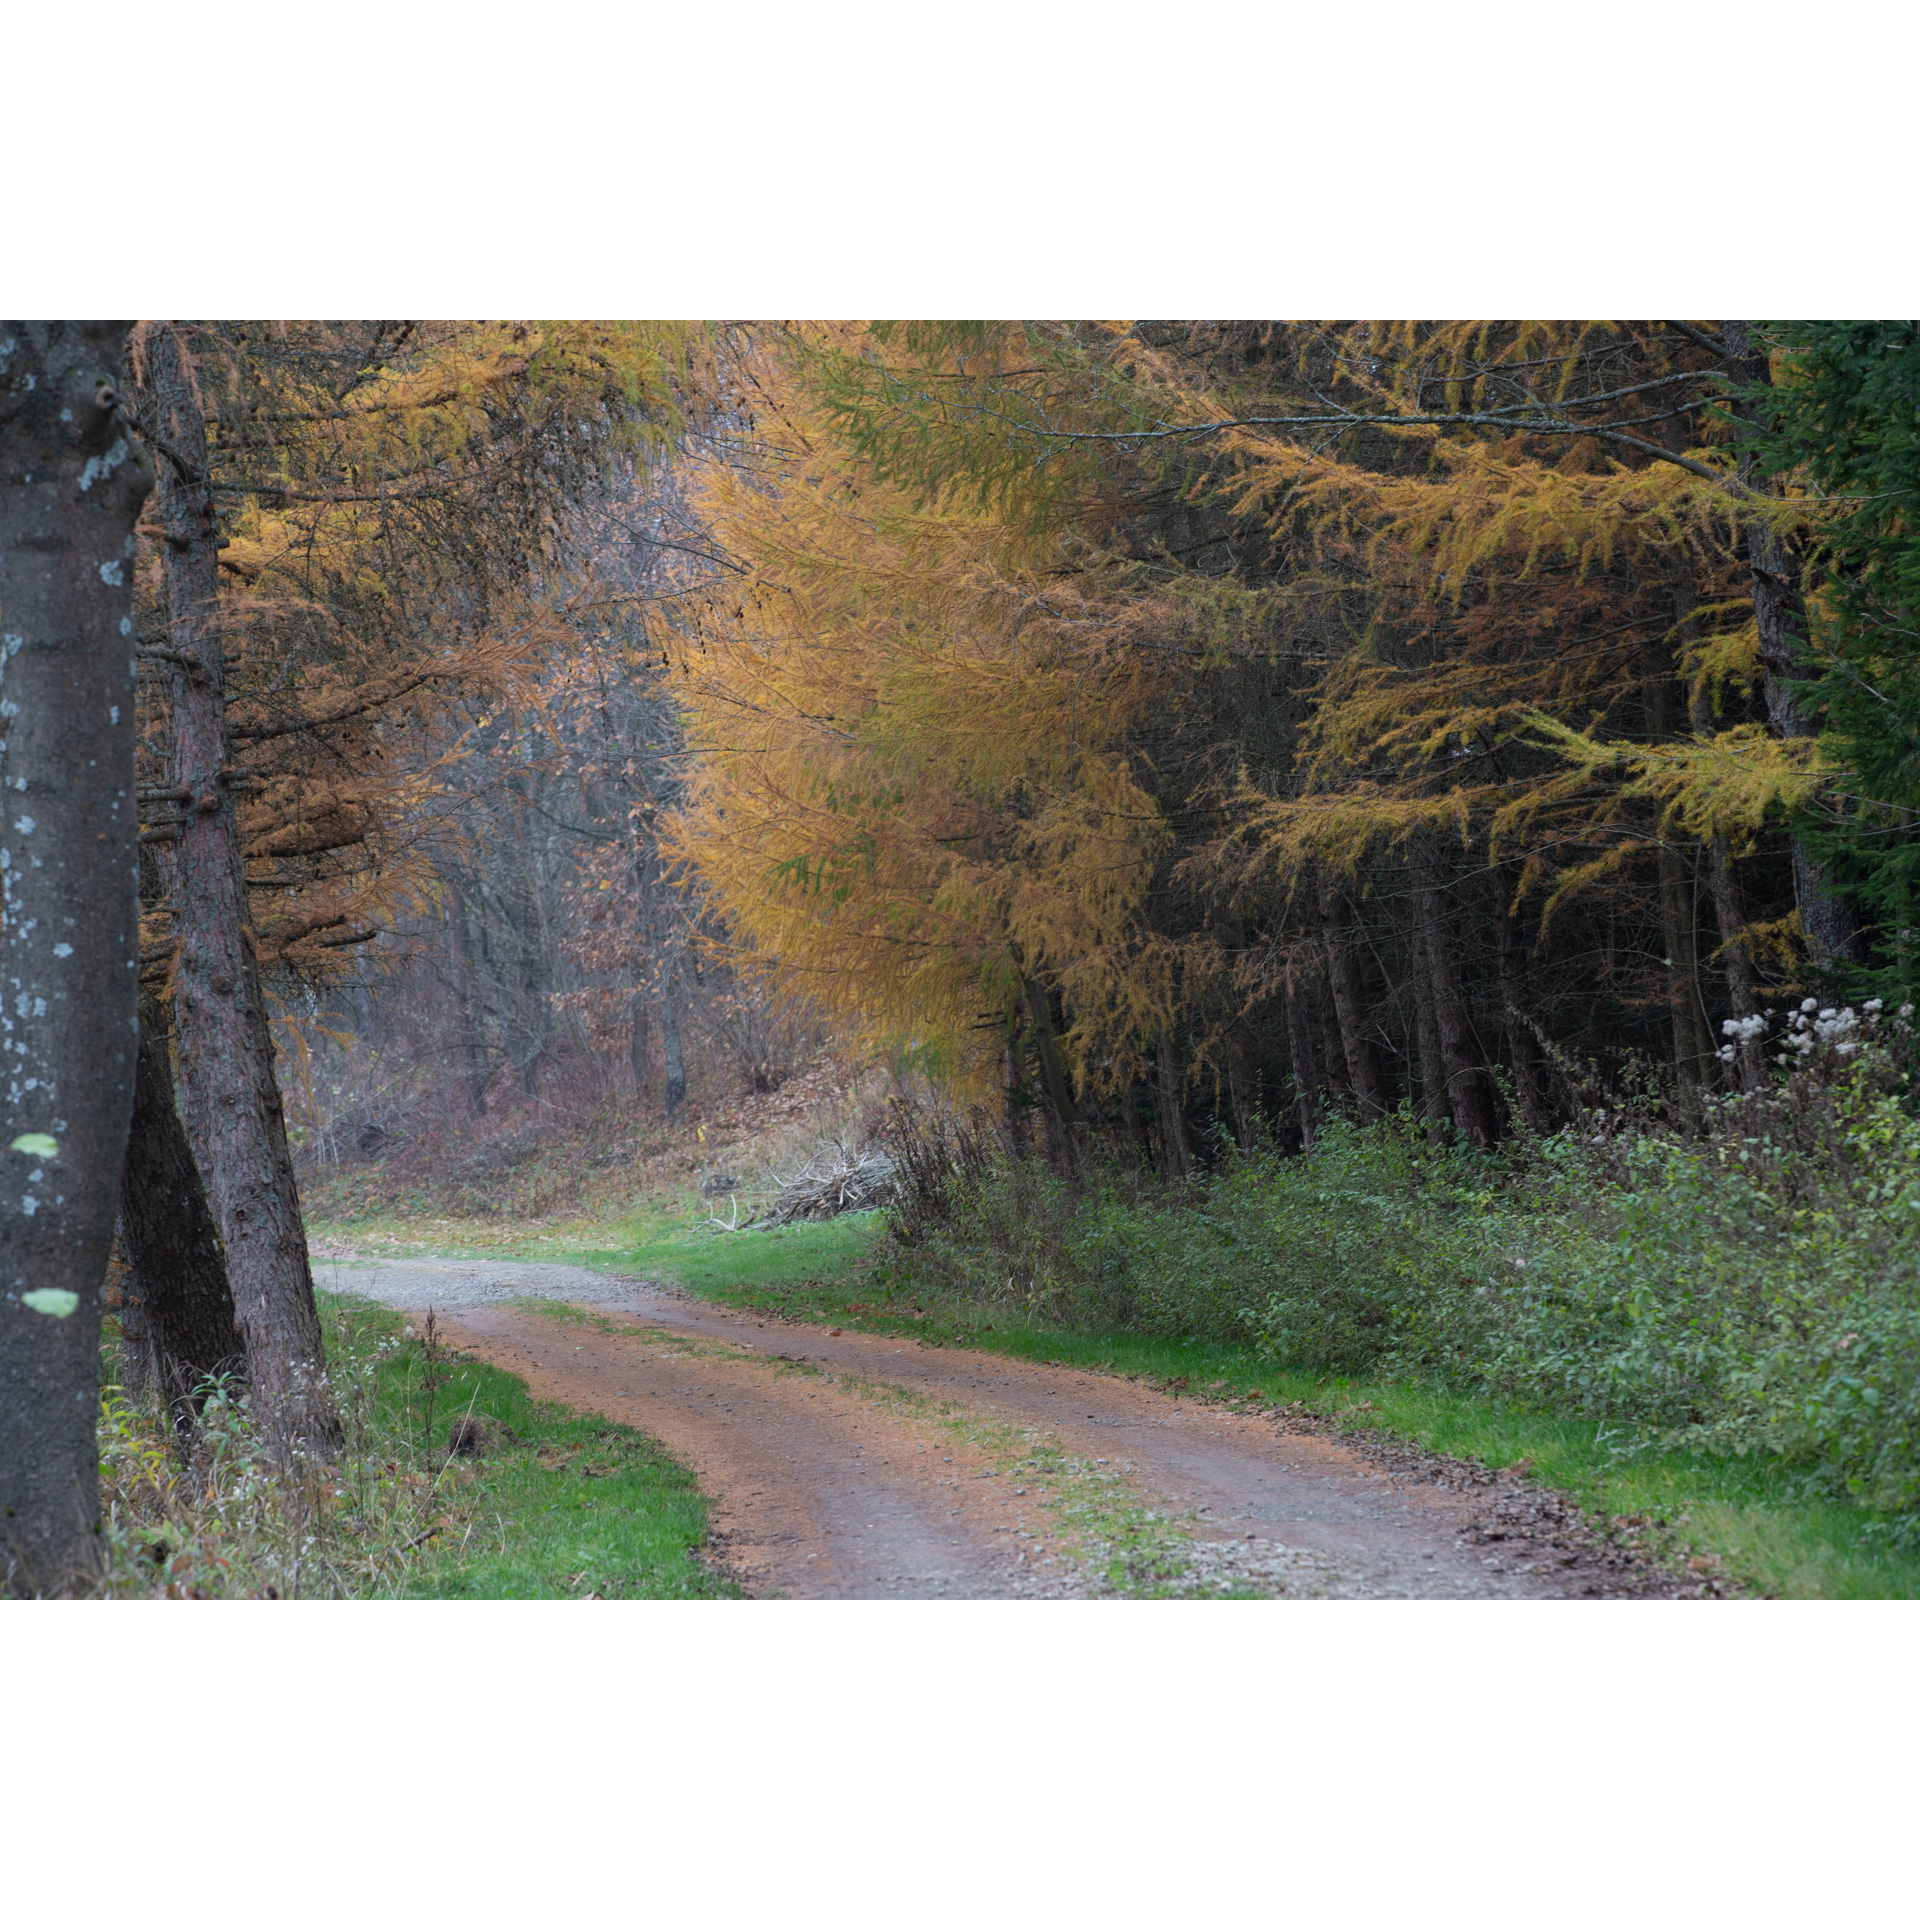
[231, 1097]
[71, 486]
[182, 1321]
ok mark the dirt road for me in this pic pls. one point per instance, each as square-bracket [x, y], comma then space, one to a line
[850, 1465]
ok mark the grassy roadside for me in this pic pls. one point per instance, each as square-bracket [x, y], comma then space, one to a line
[555, 1506]
[1743, 1517]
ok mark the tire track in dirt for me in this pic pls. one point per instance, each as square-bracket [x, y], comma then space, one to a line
[848, 1465]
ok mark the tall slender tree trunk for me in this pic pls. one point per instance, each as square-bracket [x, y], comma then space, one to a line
[1306, 1079]
[1693, 1050]
[71, 487]
[1350, 1000]
[638, 1035]
[234, 1116]
[1827, 919]
[1730, 918]
[1242, 1091]
[1735, 960]
[473, 1065]
[670, 1036]
[1175, 1160]
[1470, 1092]
[1523, 1050]
[1060, 1114]
[1014, 1124]
[1433, 1066]
[182, 1316]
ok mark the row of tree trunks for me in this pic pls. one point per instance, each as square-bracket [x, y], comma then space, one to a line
[231, 1097]
[71, 486]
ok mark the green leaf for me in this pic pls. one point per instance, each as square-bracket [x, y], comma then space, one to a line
[42, 1145]
[57, 1301]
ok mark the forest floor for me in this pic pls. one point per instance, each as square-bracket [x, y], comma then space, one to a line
[846, 1463]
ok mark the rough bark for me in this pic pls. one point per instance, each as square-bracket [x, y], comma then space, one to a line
[1827, 920]
[71, 485]
[1350, 1001]
[1470, 1090]
[181, 1320]
[231, 1098]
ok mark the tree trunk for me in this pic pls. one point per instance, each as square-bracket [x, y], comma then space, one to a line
[1523, 1050]
[670, 1037]
[1175, 1161]
[1470, 1093]
[1242, 1092]
[1306, 1080]
[1433, 1068]
[1827, 919]
[1013, 1113]
[1736, 963]
[1349, 1001]
[1693, 1049]
[1732, 920]
[184, 1322]
[638, 1034]
[232, 1102]
[473, 1066]
[1059, 1113]
[71, 486]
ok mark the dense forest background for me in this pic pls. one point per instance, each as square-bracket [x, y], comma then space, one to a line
[1163, 731]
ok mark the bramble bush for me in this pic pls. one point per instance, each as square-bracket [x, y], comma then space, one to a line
[1750, 1282]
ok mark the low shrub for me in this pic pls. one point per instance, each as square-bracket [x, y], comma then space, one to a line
[1749, 1284]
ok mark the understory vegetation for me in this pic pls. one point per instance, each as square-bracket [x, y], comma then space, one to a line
[453, 1483]
[1748, 1288]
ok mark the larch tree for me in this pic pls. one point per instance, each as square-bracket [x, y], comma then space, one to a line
[359, 523]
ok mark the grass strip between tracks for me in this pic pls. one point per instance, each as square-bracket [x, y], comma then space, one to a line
[1114, 1542]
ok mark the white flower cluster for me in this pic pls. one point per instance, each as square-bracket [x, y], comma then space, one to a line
[1811, 1025]
[1739, 1032]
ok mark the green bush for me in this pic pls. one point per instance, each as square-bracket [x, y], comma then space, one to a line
[1751, 1284]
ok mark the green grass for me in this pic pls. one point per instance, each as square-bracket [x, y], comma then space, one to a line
[559, 1506]
[1745, 1515]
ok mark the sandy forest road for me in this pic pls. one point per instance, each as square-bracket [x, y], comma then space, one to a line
[854, 1465]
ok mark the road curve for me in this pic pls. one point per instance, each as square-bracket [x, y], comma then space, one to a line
[852, 1465]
